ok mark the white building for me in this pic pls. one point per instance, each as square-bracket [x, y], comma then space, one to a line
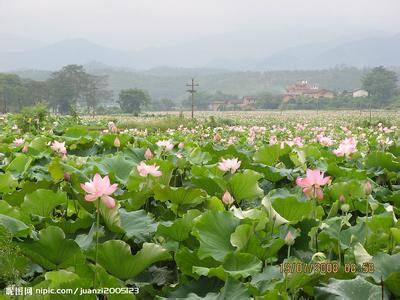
[360, 93]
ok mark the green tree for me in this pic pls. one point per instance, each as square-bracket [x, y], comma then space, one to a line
[380, 83]
[10, 90]
[131, 100]
[96, 92]
[67, 87]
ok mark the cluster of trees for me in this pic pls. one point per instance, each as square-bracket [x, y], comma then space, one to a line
[64, 90]
[68, 87]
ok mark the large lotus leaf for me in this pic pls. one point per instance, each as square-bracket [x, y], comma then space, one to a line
[233, 290]
[179, 196]
[346, 173]
[387, 268]
[357, 288]
[7, 183]
[14, 226]
[19, 165]
[241, 265]
[270, 154]
[273, 174]
[289, 206]
[272, 213]
[42, 202]
[263, 280]
[383, 160]
[187, 260]
[245, 185]
[115, 256]
[137, 224]
[56, 170]
[204, 177]
[52, 250]
[59, 277]
[213, 230]
[103, 279]
[180, 228]
[198, 157]
[350, 189]
[77, 135]
[117, 166]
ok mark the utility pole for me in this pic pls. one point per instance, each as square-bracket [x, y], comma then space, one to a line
[192, 91]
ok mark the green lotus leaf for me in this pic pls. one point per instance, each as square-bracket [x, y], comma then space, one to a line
[270, 154]
[115, 256]
[19, 165]
[42, 202]
[7, 183]
[289, 206]
[52, 250]
[179, 196]
[14, 226]
[357, 288]
[213, 230]
[245, 185]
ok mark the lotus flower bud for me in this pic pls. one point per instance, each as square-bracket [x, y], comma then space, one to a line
[67, 176]
[181, 145]
[368, 188]
[117, 142]
[227, 198]
[25, 148]
[289, 239]
[345, 208]
[342, 199]
[148, 154]
[217, 137]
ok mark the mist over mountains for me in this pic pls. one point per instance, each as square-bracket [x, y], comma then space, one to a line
[256, 51]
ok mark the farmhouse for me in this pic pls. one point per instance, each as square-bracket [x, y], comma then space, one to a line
[304, 89]
[246, 103]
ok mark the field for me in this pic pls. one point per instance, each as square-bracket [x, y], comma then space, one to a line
[232, 205]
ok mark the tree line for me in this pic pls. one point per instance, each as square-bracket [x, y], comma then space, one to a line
[65, 90]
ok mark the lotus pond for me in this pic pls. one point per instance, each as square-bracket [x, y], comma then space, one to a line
[292, 206]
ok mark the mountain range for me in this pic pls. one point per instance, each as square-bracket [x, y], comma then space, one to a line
[245, 51]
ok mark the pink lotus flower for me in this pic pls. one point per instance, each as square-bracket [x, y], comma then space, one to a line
[312, 183]
[18, 142]
[117, 142]
[346, 147]
[325, 140]
[229, 165]
[148, 154]
[181, 145]
[167, 145]
[59, 147]
[145, 170]
[100, 188]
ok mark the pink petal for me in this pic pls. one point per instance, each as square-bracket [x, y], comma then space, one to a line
[303, 182]
[88, 187]
[91, 197]
[320, 194]
[97, 180]
[111, 189]
[108, 201]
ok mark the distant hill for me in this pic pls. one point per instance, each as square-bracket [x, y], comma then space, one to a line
[254, 51]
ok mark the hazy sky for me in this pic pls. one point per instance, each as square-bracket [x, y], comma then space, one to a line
[133, 24]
